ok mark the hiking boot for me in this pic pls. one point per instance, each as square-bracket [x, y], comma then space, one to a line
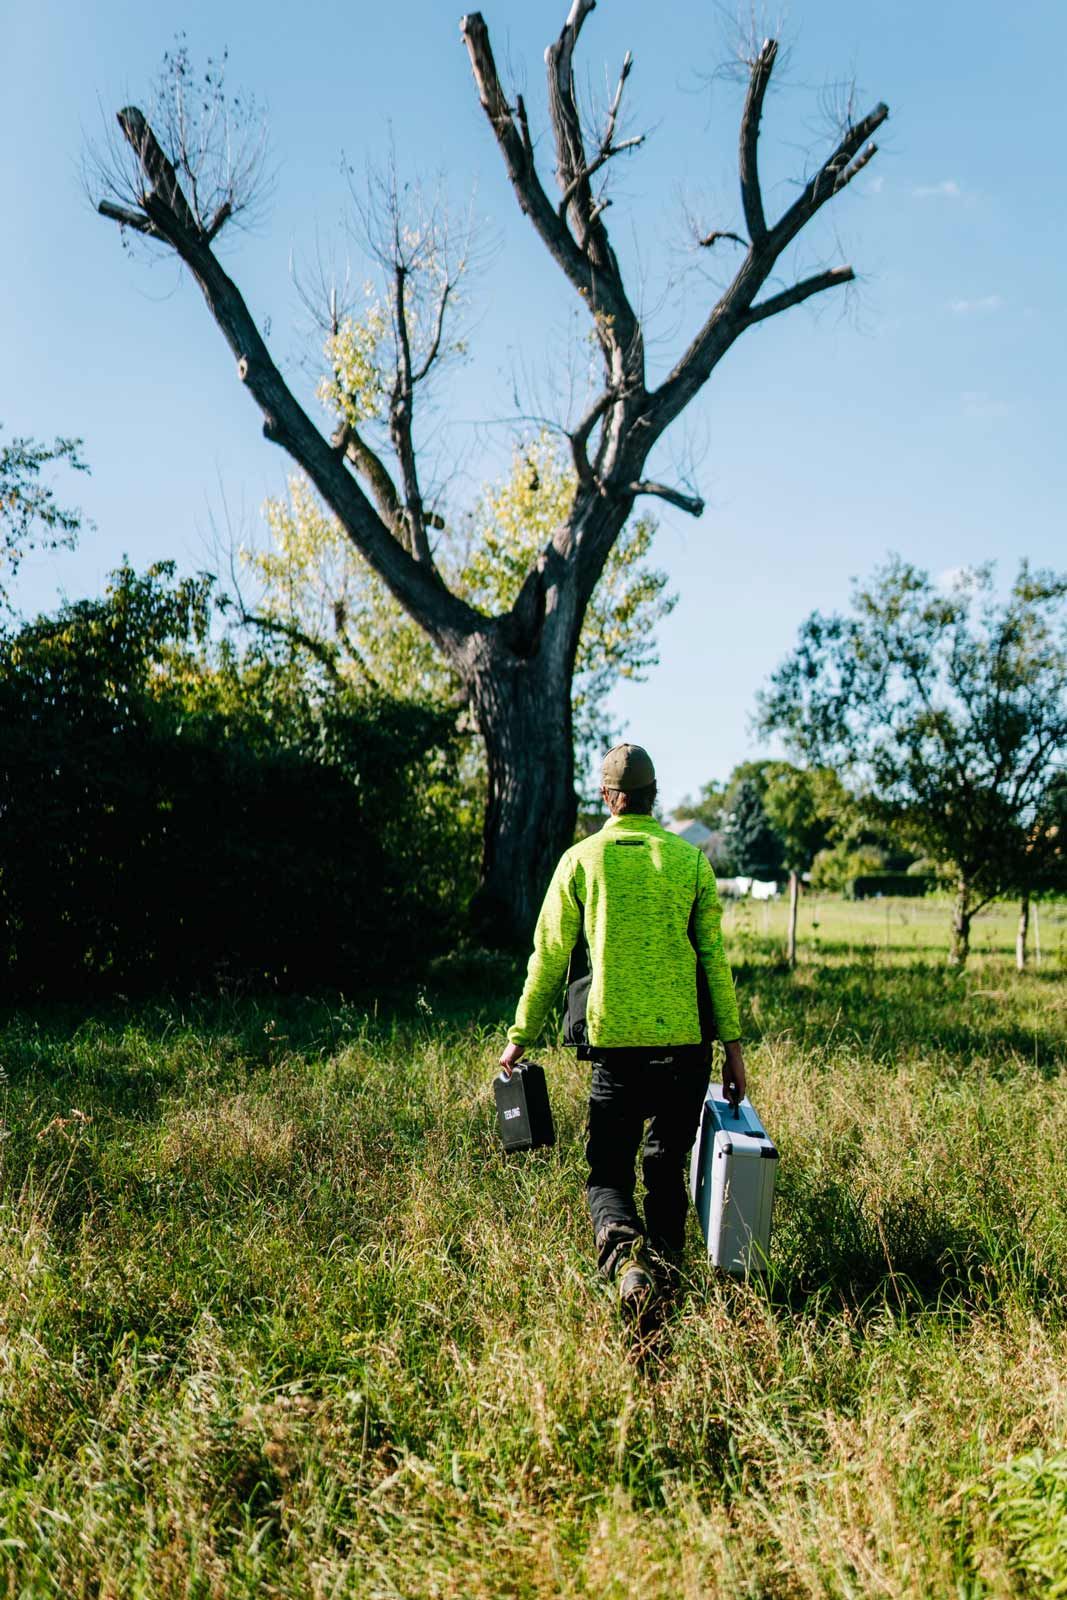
[637, 1288]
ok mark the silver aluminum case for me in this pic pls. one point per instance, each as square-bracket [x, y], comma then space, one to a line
[731, 1179]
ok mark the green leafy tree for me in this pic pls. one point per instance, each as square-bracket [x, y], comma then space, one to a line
[754, 846]
[947, 709]
[30, 514]
[182, 173]
[807, 808]
[1041, 854]
[715, 809]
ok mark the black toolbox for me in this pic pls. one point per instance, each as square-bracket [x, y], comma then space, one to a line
[523, 1113]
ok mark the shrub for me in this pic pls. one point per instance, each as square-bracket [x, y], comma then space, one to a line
[174, 817]
[888, 883]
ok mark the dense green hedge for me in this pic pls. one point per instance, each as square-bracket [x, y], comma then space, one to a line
[888, 883]
[173, 818]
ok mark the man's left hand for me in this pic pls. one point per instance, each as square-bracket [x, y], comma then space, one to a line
[513, 1054]
[733, 1073]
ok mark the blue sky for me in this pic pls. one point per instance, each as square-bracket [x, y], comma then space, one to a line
[922, 413]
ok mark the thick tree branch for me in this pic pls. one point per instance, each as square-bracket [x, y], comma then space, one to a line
[685, 502]
[590, 266]
[347, 441]
[800, 291]
[449, 620]
[736, 309]
[831, 178]
[157, 170]
[571, 159]
[620, 335]
[751, 197]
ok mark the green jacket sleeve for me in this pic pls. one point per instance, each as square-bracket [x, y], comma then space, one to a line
[707, 936]
[558, 927]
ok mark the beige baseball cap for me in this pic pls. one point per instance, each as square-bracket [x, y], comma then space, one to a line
[627, 767]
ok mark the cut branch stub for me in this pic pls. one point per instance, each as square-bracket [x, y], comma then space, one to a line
[692, 503]
[128, 219]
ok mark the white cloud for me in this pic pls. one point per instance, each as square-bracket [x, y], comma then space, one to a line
[979, 403]
[966, 308]
[947, 189]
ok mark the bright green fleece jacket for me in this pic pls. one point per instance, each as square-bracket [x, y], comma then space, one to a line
[634, 886]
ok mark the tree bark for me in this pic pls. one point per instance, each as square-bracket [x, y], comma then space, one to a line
[523, 710]
[1022, 931]
[794, 902]
[961, 926]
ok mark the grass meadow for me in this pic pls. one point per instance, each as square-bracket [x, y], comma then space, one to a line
[279, 1318]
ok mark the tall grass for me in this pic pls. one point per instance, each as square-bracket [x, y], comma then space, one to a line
[278, 1317]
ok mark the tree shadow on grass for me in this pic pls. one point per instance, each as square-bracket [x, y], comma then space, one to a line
[888, 1012]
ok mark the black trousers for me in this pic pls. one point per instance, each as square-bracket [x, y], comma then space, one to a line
[666, 1089]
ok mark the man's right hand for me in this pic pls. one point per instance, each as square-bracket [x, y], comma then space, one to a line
[513, 1053]
[733, 1073]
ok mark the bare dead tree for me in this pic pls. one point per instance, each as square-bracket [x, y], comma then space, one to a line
[517, 667]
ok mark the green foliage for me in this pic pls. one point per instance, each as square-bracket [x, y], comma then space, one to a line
[317, 586]
[834, 868]
[1023, 1505]
[870, 885]
[948, 709]
[807, 808]
[282, 1318]
[708, 808]
[754, 846]
[355, 386]
[29, 512]
[175, 815]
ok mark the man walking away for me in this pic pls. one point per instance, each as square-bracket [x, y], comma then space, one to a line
[636, 907]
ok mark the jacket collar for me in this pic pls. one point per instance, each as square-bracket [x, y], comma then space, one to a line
[634, 822]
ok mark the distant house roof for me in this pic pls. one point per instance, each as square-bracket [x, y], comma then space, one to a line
[691, 829]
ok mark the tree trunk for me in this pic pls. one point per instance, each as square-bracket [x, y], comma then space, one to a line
[794, 902]
[523, 710]
[961, 926]
[1023, 930]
